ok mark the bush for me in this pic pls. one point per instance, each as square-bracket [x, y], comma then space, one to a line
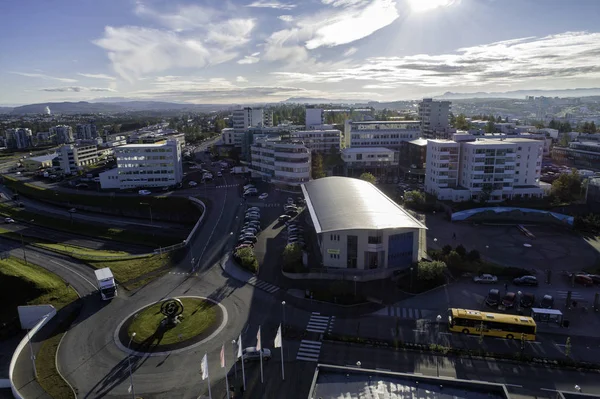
[246, 258]
[473, 256]
[434, 272]
[292, 259]
[446, 249]
[453, 259]
[461, 251]
[589, 223]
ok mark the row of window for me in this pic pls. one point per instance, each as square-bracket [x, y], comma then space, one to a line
[396, 255]
[144, 157]
[146, 165]
[142, 150]
[334, 237]
[147, 172]
[334, 256]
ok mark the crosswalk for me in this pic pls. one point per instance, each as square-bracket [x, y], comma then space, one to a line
[227, 185]
[263, 285]
[264, 204]
[575, 296]
[309, 351]
[317, 323]
[404, 313]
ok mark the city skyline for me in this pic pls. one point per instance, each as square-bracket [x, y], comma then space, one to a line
[268, 51]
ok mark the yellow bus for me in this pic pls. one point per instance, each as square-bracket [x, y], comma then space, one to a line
[501, 325]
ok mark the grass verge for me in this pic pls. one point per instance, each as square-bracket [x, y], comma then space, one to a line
[47, 374]
[130, 270]
[198, 315]
[130, 236]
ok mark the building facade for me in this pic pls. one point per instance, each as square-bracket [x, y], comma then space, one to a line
[435, 119]
[248, 117]
[18, 138]
[62, 134]
[73, 158]
[145, 166]
[380, 162]
[323, 141]
[314, 117]
[380, 133]
[583, 154]
[285, 164]
[86, 131]
[493, 170]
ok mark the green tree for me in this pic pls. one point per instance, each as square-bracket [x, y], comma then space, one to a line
[368, 177]
[433, 272]
[220, 124]
[414, 200]
[453, 259]
[486, 193]
[490, 127]
[317, 166]
[567, 187]
[461, 122]
[292, 258]
[564, 140]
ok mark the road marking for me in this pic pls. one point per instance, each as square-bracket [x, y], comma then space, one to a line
[380, 369]
[548, 389]
[534, 342]
[445, 333]
[420, 331]
[73, 271]
[514, 385]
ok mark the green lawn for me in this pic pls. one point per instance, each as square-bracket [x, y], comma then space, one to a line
[198, 315]
[129, 269]
[47, 375]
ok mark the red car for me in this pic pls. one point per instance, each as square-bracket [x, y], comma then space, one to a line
[584, 280]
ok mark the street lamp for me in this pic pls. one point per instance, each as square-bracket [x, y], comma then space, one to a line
[283, 312]
[355, 286]
[149, 207]
[411, 278]
[519, 293]
[437, 341]
[234, 358]
[358, 364]
[130, 371]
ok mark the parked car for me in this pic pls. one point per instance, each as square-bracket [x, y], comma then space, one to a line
[547, 302]
[263, 196]
[9, 220]
[192, 184]
[244, 246]
[485, 279]
[252, 354]
[144, 192]
[248, 186]
[81, 185]
[253, 208]
[247, 237]
[508, 301]
[284, 218]
[253, 213]
[493, 298]
[290, 200]
[219, 174]
[252, 218]
[526, 280]
[250, 230]
[584, 280]
[291, 212]
[290, 207]
[527, 300]
[595, 278]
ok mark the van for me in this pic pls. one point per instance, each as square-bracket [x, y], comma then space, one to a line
[493, 298]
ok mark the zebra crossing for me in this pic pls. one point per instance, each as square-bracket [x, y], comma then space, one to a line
[317, 323]
[227, 185]
[575, 296]
[264, 204]
[404, 313]
[263, 285]
[309, 351]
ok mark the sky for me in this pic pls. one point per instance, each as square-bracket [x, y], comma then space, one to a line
[255, 51]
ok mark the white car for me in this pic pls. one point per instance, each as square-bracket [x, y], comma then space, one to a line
[263, 196]
[219, 174]
[9, 220]
[253, 208]
[192, 184]
[144, 192]
[248, 186]
[485, 279]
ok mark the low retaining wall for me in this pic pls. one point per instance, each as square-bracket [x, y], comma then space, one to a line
[190, 236]
[24, 342]
[349, 276]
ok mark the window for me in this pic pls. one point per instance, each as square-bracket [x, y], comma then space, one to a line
[375, 240]
[334, 237]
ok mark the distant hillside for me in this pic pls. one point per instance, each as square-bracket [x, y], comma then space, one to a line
[5, 110]
[308, 100]
[522, 94]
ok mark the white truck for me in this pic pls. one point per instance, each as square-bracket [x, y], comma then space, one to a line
[240, 169]
[106, 283]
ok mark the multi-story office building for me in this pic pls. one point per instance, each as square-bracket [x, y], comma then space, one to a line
[86, 131]
[413, 157]
[283, 163]
[145, 166]
[435, 118]
[379, 161]
[73, 158]
[380, 133]
[492, 169]
[314, 117]
[18, 138]
[268, 118]
[324, 141]
[62, 134]
[248, 117]
[583, 154]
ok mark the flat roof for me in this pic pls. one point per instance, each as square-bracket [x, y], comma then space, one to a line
[357, 150]
[343, 203]
[142, 145]
[334, 382]
[42, 158]
[386, 122]
[420, 141]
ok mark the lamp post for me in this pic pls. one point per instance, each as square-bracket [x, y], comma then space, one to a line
[358, 364]
[283, 313]
[150, 208]
[355, 286]
[437, 341]
[411, 278]
[519, 293]
[234, 358]
[130, 371]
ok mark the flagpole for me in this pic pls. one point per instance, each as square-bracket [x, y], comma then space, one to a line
[227, 384]
[209, 393]
[282, 369]
[242, 352]
[261, 368]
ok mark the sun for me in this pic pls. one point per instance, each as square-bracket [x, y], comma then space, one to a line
[428, 5]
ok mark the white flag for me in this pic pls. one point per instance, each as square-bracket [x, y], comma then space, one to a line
[258, 344]
[129, 389]
[222, 356]
[239, 353]
[277, 343]
[204, 367]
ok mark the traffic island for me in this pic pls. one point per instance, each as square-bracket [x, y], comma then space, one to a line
[174, 324]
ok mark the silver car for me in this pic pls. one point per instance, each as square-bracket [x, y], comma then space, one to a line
[251, 354]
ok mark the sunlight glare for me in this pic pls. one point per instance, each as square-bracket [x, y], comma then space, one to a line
[428, 5]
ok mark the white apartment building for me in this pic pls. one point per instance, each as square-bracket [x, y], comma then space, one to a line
[380, 133]
[283, 163]
[467, 167]
[248, 117]
[73, 158]
[435, 118]
[86, 131]
[62, 134]
[314, 117]
[317, 140]
[145, 166]
[379, 161]
[18, 138]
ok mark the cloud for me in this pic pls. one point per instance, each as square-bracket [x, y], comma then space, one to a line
[43, 76]
[249, 59]
[525, 60]
[286, 18]
[76, 89]
[181, 18]
[96, 76]
[231, 33]
[271, 4]
[136, 51]
[350, 51]
[241, 79]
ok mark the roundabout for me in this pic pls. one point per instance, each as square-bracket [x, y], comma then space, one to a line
[171, 326]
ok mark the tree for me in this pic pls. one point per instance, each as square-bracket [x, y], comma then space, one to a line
[368, 177]
[461, 250]
[567, 187]
[292, 257]
[486, 193]
[434, 272]
[461, 122]
[220, 125]
[490, 127]
[317, 166]
[499, 119]
[564, 140]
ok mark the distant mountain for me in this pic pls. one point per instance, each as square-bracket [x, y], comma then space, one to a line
[522, 94]
[5, 110]
[308, 100]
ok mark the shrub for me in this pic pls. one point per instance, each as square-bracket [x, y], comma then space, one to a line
[473, 256]
[462, 251]
[247, 259]
[453, 259]
[292, 258]
[432, 271]
[446, 249]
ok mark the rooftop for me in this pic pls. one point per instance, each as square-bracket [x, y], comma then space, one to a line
[343, 203]
[333, 382]
[421, 142]
[386, 122]
[355, 150]
[43, 158]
